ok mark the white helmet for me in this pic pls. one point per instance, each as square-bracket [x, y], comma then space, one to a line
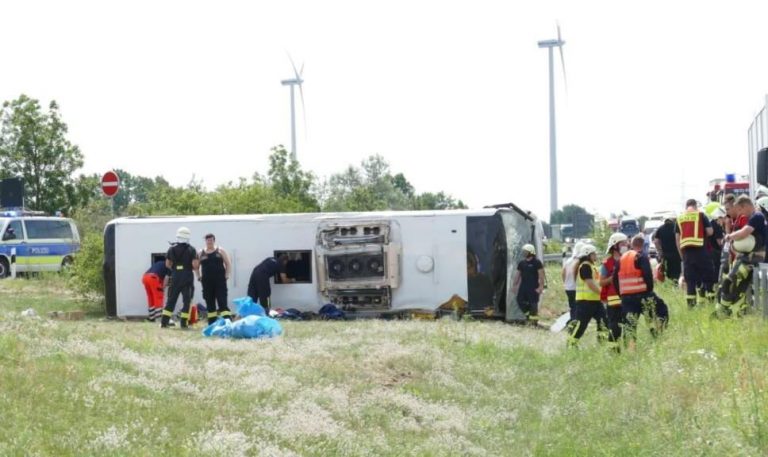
[617, 237]
[744, 245]
[529, 249]
[718, 213]
[183, 235]
[577, 248]
[586, 250]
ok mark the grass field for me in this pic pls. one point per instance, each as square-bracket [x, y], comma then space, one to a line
[389, 388]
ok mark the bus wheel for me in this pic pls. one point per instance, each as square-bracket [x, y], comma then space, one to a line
[4, 269]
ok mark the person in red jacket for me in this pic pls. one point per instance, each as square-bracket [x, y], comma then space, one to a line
[155, 280]
[617, 245]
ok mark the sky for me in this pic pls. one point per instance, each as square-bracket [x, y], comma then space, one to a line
[452, 94]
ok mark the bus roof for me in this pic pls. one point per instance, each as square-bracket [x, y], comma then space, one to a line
[296, 217]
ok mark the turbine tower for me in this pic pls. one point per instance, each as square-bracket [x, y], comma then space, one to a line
[550, 44]
[292, 83]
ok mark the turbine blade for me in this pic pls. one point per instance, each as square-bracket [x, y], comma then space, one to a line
[303, 109]
[562, 61]
[301, 70]
[295, 72]
[562, 57]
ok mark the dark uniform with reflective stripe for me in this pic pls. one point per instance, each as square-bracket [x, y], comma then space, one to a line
[181, 256]
[697, 264]
[214, 284]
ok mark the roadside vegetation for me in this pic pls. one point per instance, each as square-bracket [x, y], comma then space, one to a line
[385, 388]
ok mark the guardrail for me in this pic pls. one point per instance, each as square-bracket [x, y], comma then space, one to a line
[551, 258]
[760, 288]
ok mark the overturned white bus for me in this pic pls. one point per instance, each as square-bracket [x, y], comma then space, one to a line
[373, 262]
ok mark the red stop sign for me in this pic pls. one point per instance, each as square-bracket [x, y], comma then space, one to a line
[110, 183]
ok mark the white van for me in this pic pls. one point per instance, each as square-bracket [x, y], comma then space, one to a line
[41, 243]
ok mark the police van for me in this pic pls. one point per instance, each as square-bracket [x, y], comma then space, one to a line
[41, 243]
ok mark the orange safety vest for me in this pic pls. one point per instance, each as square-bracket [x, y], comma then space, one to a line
[630, 277]
[691, 229]
[608, 294]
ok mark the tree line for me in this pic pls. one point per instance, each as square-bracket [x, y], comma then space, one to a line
[34, 145]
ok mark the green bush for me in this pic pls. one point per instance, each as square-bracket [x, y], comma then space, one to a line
[87, 278]
[553, 247]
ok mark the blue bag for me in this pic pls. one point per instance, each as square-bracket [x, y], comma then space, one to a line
[220, 328]
[245, 306]
[248, 327]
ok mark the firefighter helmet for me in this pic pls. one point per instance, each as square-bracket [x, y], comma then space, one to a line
[744, 245]
[617, 237]
[183, 234]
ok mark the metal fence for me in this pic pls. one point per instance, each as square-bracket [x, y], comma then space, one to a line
[760, 288]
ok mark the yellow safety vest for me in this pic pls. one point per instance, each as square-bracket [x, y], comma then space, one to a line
[689, 224]
[583, 292]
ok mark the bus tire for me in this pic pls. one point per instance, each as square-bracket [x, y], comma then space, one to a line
[5, 269]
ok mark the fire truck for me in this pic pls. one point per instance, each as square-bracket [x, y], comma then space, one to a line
[731, 184]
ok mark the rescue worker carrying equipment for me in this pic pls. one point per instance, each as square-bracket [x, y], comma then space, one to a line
[693, 227]
[617, 246]
[182, 260]
[748, 243]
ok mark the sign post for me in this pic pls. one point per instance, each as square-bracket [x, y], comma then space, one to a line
[110, 185]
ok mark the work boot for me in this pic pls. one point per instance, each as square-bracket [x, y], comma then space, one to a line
[184, 323]
[211, 320]
[165, 322]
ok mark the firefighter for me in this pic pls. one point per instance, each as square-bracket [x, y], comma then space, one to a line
[588, 304]
[755, 226]
[617, 246]
[215, 268]
[183, 262]
[669, 256]
[633, 279]
[155, 280]
[258, 285]
[693, 227]
[529, 284]
[715, 242]
[748, 244]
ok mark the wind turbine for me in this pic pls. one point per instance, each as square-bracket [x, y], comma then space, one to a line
[550, 44]
[292, 83]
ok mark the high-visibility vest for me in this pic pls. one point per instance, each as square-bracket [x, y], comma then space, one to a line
[691, 229]
[583, 292]
[630, 277]
[608, 294]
